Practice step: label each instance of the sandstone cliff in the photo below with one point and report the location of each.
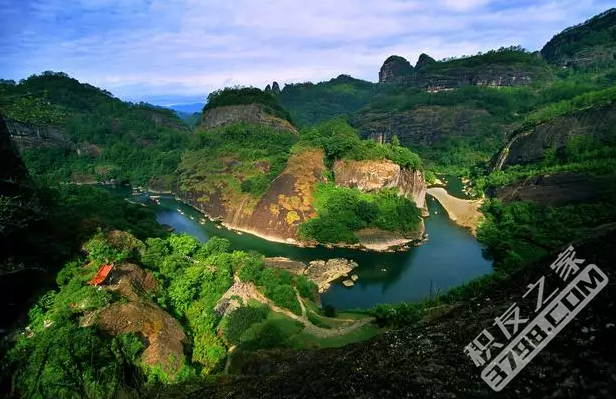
(529, 146)
(277, 214)
(395, 68)
(506, 67)
(14, 178)
(29, 135)
(595, 125)
(558, 189)
(374, 175)
(424, 125)
(250, 113)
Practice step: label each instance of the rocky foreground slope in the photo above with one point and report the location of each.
(428, 360)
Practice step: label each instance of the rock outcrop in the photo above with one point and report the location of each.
(250, 113)
(495, 69)
(370, 176)
(560, 188)
(423, 61)
(529, 146)
(29, 135)
(163, 334)
(275, 88)
(14, 178)
(321, 272)
(278, 213)
(394, 69)
(425, 125)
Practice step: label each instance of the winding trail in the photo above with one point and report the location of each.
(249, 291)
(464, 213)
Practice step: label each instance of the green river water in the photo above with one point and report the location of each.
(451, 257)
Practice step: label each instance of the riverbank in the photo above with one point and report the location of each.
(464, 213)
(373, 240)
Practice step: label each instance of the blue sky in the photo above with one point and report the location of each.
(176, 51)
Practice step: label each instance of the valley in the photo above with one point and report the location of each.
(359, 233)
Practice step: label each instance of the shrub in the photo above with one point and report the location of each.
(263, 335)
(241, 319)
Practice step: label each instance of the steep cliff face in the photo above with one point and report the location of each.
(278, 213)
(558, 189)
(29, 135)
(425, 125)
(451, 75)
(374, 175)
(494, 69)
(395, 68)
(250, 113)
(598, 123)
(592, 43)
(14, 177)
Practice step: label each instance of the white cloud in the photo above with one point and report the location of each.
(190, 47)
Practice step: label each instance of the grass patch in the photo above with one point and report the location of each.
(305, 340)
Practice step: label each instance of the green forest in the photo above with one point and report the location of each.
(178, 313)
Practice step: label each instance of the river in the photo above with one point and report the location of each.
(451, 257)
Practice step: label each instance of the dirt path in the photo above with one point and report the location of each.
(464, 213)
(301, 304)
(250, 291)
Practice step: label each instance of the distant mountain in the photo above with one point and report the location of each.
(187, 108)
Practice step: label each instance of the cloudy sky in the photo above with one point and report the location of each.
(176, 51)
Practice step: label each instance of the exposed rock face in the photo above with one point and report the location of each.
(394, 69)
(29, 135)
(286, 204)
(479, 70)
(374, 175)
(321, 272)
(13, 173)
(499, 75)
(275, 88)
(386, 241)
(425, 125)
(558, 189)
(423, 61)
(592, 43)
(251, 113)
(163, 333)
(528, 147)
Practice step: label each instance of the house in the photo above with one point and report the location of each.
(101, 275)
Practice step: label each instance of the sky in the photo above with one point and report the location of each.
(177, 51)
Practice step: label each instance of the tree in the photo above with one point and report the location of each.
(183, 244)
(395, 141)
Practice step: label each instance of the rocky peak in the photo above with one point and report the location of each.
(395, 68)
(268, 89)
(423, 61)
(275, 88)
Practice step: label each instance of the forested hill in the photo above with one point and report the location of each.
(590, 44)
(311, 103)
(111, 139)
